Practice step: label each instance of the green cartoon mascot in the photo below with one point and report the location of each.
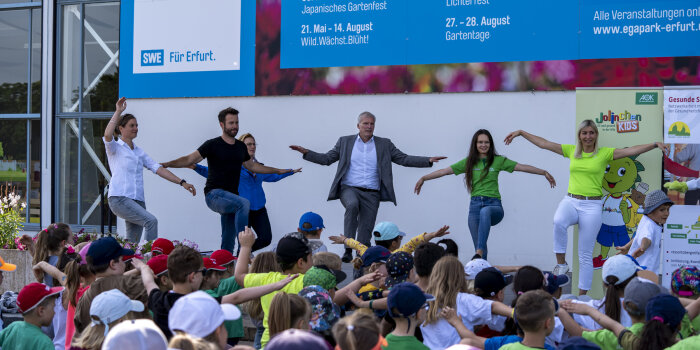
(620, 217)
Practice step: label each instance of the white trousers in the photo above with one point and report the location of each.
(588, 214)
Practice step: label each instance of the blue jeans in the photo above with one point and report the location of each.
(136, 217)
(484, 212)
(234, 215)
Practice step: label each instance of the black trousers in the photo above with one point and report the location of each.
(260, 222)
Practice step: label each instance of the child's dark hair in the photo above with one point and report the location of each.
(656, 336)
(95, 269)
(533, 309)
(159, 279)
(664, 315)
(182, 261)
(386, 243)
(286, 266)
(450, 246)
(425, 257)
(527, 278)
(358, 331)
(614, 292)
(49, 240)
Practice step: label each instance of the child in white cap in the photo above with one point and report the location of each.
(201, 316)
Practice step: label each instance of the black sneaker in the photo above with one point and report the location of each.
(347, 257)
(476, 256)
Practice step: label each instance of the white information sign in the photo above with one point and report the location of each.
(681, 242)
(682, 116)
(186, 36)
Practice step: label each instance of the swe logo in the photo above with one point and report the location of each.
(151, 58)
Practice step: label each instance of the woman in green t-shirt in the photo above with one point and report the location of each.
(583, 202)
(485, 209)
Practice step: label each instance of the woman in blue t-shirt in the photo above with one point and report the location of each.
(250, 188)
(485, 209)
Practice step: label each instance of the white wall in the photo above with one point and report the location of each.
(419, 124)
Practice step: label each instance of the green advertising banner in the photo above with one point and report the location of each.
(625, 117)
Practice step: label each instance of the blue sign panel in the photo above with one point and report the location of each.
(170, 48)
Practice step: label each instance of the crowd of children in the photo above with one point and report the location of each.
(416, 295)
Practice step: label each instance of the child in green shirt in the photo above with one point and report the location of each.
(534, 312)
(406, 307)
(36, 301)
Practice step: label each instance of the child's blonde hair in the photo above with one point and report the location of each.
(262, 263)
(446, 281)
(184, 341)
(286, 310)
(358, 331)
(93, 336)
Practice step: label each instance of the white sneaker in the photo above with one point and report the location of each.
(560, 269)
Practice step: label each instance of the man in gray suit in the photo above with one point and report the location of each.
(364, 177)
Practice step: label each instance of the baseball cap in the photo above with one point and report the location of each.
(324, 313)
(33, 294)
(296, 339)
(199, 314)
(621, 266)
(140, 334)
(490, 280)
(112, 305)
(339, 275)
(83, 253)
(6, 266)
(159, 264)
(374, 254)
(386, 230)
(473, 267)
(666, 309)
(407, 299)
(106, 249)
(292, 248)
(163, 246)
(312, 218)
(399, 266)
(639, 291)
(211, 265)
(316, 276)
(128, 258)
(554, 282)
(222, 257)
(686, 276)
(654, 200)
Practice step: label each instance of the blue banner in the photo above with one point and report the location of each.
(318, 33)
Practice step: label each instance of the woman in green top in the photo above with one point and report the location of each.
(485, 209)
(583, 203)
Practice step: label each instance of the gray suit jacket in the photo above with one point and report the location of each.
(386, 154)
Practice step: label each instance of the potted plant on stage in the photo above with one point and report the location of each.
(11, 249)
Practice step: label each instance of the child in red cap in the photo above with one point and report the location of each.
(162, 246)
(36, 301)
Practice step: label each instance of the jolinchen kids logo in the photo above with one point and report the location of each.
(646, 98)
(623, 122)
(679, 129)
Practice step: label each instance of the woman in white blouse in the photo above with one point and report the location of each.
(126, 161)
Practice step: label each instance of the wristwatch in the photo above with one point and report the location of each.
(182, 181)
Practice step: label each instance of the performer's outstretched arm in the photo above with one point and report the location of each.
(536, 140)
(184, 161)
(537, 171)
(262, 169)
(112, 125)
(327, 158)
(434, 175)
(638, 149)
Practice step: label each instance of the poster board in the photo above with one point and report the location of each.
(681, 241)
(624, 117)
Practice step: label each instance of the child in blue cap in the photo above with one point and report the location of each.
(406, 303)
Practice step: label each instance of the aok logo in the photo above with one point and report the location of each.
(624, 122)
(151, 58)
(646, 98)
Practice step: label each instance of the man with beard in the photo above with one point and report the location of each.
(225, 156)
